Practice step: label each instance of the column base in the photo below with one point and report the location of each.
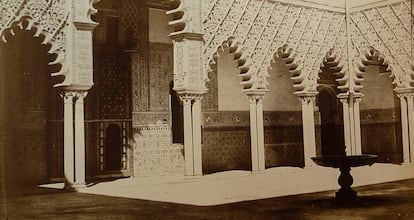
(75, 186)
(346, 196)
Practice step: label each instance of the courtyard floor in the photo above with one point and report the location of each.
(222, 197)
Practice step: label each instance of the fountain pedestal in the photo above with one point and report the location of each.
(345, 194)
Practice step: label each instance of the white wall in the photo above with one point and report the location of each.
(158, 26)
(230, 95)
(281, 95)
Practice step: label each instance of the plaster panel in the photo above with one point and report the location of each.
(159, 28)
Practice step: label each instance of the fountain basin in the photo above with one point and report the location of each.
(337, 161)
(345, 195)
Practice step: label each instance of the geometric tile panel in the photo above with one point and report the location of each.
(154, 153)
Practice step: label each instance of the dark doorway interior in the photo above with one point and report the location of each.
(25, 87)
(113, 145)
(332, 132)
(177, 117)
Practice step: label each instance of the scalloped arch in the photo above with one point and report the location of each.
(236, 50)
(368, 55)
(333, 62)
(289, 56)
(27, 23)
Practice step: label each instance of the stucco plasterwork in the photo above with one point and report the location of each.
(48, 17)
(262, 27)
(57, 21)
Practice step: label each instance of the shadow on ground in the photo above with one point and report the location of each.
(385, 201)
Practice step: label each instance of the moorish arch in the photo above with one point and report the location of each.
(306, 97)
(379, 108)
(283, 126)
(230, 138)
(27, 23)
(329, 106)
(28, 106)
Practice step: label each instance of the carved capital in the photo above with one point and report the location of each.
(189, 98)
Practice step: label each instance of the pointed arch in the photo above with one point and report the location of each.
(232, 46)
(236, 50)
(369, 56)
(332, 70)
(27, 23)
(289, 56)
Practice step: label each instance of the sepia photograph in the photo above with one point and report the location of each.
(206, 109)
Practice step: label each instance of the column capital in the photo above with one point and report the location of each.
(189, 97)
(405, 95)
(254, 96)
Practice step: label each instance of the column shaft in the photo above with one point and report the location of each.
(188, 138)
(253, 135)
(410, 109)
(306, 136)
(347, 128)
(352, 128)
(80, 140)
(358, 147)
(197, 151)
(68, 152)
(260, 136)
(311, 130)
(404, 130)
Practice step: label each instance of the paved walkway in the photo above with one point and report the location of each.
(229, 195)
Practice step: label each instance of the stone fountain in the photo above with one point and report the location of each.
(345, 195)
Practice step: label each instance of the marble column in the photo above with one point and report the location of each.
(260, 135)
(68, 152)
(357, 125)
(410, 113)
(80, 140)
(188, 136)
(347, 129)
(404, 129)
(308, 125)
(253, 134)
(196, 126)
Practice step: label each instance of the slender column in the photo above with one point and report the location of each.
(404, 129)
(410, 111)
(357, 121)
(188, 136)
(260, 135)
(196, 116)
(68, 154)
(306, 140)
(311, 129)
(80, 140)
(352, 126)
(253, 134)
(347, 135)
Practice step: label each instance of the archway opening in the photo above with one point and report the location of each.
(226, 126)
(332, 130)
(282, 118)
(26, 110)
(380, 114)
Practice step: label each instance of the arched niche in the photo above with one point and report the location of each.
(380, 112)
(282, 115)
(226, 124)
(30, 113)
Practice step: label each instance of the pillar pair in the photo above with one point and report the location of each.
(74, 139)
(257, 132)
(407, 124)
(308, 125)
(192, 133)
(352, 124)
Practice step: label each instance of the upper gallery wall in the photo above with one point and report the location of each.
(305, 31)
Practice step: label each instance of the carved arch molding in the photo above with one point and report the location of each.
(49, 19)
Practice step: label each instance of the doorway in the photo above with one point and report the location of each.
(26, 83)
(332, 131)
